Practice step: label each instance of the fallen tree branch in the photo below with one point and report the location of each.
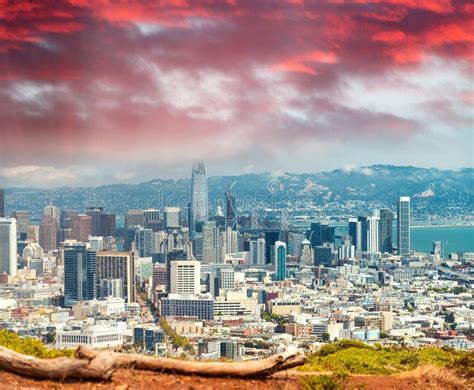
(250, 369)
(89, 364)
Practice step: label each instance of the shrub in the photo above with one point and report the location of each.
(319, 382)
(30, 346)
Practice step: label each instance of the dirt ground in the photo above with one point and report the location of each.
(426, 378)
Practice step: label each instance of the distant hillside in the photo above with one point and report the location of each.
(446, 193)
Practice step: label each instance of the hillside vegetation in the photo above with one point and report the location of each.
(353, 357)
(30, 346)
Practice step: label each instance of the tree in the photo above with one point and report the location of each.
(326, 337)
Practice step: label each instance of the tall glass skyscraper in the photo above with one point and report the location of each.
(280, 260)
(199, 195)
(403, 225)
(80, 273)
(386, 225)
(231, 209)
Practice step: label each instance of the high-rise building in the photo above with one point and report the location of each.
(230, 241)
(48, 233)
(363, 229)
(134, 218)
(81, 225)
(355, 232)
(199, 195)
(185, 277)
(210, 242)
(144, 241)
(102, 224)
(257, 251)
(373, 230)
(2, 203)
(80, 273)
(403, 225)
(321, 234)
(151, 215)
(386, 229)
(117, 265)
(323, 256)
(172, 217)
(231, 209)
(270, 238)
(280, 260)
(23, 221)
(8, 255)
(307, 257)
(52, 211)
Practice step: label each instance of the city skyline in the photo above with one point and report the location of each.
(247, 86)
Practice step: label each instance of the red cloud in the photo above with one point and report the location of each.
(110, 70)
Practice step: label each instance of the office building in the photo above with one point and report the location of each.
(117, 265)
(226, 278)
(134, 218)
(355, 232)
(307, 256)
(373, 230)
(386, 231)
(323, 256)
(80, 273)
(102, 224)
(231, 209)
(81, 227)
(52, 211)
(200, 306)
(150, 215)
(363, 229)
(199, 195)
(144, 241)
(23, 221)
(185, 277)
(8, 242)
(257, 251)
(2, 203)
(48, 233)
(280, 260)
(403, 225)
(172, 217)
(210, 242)
(321, 234)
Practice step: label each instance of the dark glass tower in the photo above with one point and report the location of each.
(231, 209)
(80, 273)
(199, 196)
(403, 225)
(386, 228)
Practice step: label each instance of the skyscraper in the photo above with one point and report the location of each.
(8, 256)
(321, 233)
(355, 231)
(80, 273)
(23, 221)
(280, 260)
(363, 229)
(386, 228)
(48, 233)
(231, 208)
(403, 225)
(185, 277)
(54, 212)
(257, 252)
(373, 229)
(199, 195)
(117, 265)
(307, 256)
(172, 217)
(210, 242)
(2, 203)
(81, 226)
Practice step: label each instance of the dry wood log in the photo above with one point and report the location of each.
(250, 369)
(101, 365)
(59, 368)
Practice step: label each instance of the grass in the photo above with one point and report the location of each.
(353, 357)
(30, 346)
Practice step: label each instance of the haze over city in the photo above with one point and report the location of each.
(95, 92)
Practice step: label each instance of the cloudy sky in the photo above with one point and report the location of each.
(101, 91)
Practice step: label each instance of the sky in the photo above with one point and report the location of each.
(106, 91)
